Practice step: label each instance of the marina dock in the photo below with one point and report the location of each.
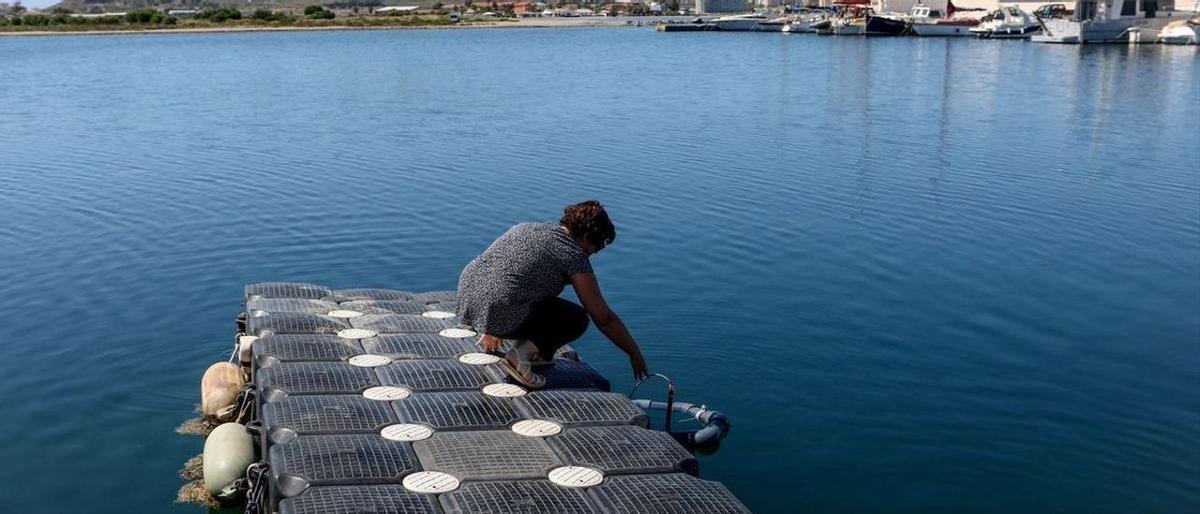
(375, 400)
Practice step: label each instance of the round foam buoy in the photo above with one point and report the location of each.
(370, 360)
(457, 333)
(386, 393)
(503, 390)
(345, 314)
(356, 333)
(478, 359)
(536, 428)
(406, 432)
(228, 450)
(430, 482)
(219, 389)
(438, 314)
(576, 476)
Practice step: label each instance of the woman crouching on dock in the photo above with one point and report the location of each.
(511, 291)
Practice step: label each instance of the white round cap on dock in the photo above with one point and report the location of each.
(386, 393)
(370, 360)
(503, 390)
(345, 314)
(438, 314)
(356, 333)
(576, 476)
(457, 333)
(430, 482)
(478, 359)
(406, 432)
(536, 428)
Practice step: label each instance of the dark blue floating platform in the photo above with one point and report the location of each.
(375, 400)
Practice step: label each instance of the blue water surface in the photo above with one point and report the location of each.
(919, 275)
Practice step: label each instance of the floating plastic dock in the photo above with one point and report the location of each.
(375, 400)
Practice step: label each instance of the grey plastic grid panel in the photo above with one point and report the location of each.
(623, 449)
(367, 293)
(399, 323)
(314, 378)
(287, 290)
(419, 346)
(436, 296)
(341, 459)
(433, 375)
(290, 305)
(325, 414)
(363, 499)
(521, 497)
(569, 374)
(383, 307)
(464, 410)
(674, 493)
(273, 349)
(293, 323)
(486, 455)
(450, 306)
(584, 408)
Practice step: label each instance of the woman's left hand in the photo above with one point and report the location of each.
(639, 367)
(490, 343)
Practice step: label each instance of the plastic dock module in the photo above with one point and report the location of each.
(373, 499)
(623, 450)
(584, 408)
(526, 496)
(486, 455)
(666, 494)
(457, 411)
(379, 400)
(274, 349)
(383, 307)
(291, 378)
(339, 460)
(399, 323)
(293, 323)
(419, 346)
(434, 375)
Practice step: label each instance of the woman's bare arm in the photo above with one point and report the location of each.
(588, 291)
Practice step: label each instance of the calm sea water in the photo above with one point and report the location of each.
(919, 275)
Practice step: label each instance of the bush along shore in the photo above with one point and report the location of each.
(313, 16)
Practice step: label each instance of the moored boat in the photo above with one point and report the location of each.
(1182, 32)
(1007, 22)
(739, 22)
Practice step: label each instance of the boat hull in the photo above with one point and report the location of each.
(1093, 31)
(1024, 32)
(940, 30)
(885, 26)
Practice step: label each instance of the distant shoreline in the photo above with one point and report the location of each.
(596, 22)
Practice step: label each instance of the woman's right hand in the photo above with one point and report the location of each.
(490, 343)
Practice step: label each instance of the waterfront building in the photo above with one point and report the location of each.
(721, 6)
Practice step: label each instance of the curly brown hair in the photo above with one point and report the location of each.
(588, 221)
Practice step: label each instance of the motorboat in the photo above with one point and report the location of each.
(1103, 21)
(924, 24)
(739, 22)
(849, 26)
(772, 25)
(886, 24)
(1181, 32)
(1007, 22)
(945, 27)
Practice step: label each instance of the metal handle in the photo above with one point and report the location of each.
(670, 393)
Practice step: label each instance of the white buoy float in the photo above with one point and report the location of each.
(219, 390)
(228, 450)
